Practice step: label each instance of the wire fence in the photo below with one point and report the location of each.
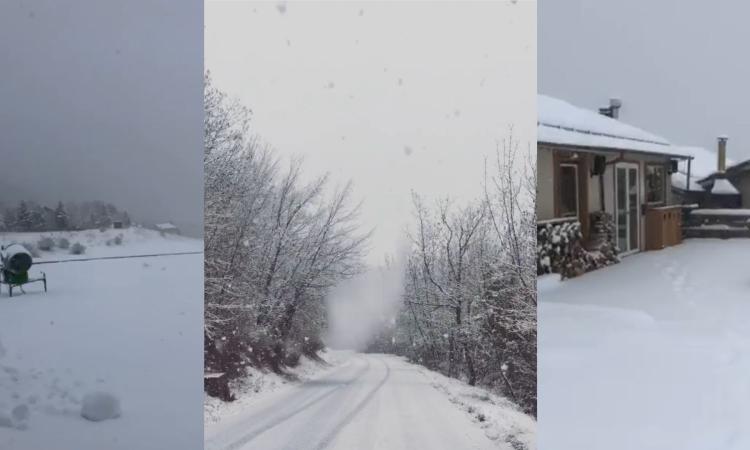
(152, 255)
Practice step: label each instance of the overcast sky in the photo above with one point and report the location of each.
(681, 68)
(394, 96)
(103, 100)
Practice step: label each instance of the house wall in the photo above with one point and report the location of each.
(742, 183)
(609, 184)
(545, 199)
(546, 185)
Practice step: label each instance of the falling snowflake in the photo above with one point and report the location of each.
(281, 6)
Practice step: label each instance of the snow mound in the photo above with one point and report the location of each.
(17, 417)
(501, 420)
(98, 406)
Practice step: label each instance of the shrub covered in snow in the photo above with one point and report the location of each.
(98, 406)
(46, 244)
(555, 242)
(15, 418)
(560, 247)
(63, 243)
(78, 249)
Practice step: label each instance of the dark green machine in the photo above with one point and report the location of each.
(15, 262)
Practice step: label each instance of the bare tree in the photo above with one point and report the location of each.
(274, 246)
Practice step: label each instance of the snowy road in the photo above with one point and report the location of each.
(370, 402)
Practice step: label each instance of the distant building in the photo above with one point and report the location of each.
(167, 228)
(730, 179)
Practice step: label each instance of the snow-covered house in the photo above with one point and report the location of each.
(708, 184)
(739, 176)
(167, 228)
(728, 179)
(589, 162)
(702, 165)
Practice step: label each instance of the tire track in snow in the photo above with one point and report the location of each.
(246, 439)
(348, 418)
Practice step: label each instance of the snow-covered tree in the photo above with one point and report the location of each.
(23, 217)
(274, 246)
(61, 217)
(469, 306)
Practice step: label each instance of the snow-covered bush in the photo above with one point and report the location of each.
(63, 243)
(117, 240)
(555, 243)
(560, 247)
(78, 249)
(98, 406)
(46, 244)
(15, 418)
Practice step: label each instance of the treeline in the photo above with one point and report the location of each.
(469, 306)
(31, 216)
(274, 244)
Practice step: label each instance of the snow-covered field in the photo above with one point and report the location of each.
(115, 337)
(134, 241)
(653, 353)
(367, 401)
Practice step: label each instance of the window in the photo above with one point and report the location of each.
(568, 190)
(656, 181)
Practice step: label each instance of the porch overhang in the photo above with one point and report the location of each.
(613, 150)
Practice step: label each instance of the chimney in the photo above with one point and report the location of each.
(722, 153)
(614, 106)
(613, 110)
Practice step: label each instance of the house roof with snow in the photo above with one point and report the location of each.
(702, 166)
(560, 122)
(708, 170)
(166, 226)
(722, 186)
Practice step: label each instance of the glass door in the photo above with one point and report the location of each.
(627, 214)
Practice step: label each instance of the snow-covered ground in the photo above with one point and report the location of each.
(652, 353)
(258, 385)
(112, 338)
(368, 401)
(134, 241)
